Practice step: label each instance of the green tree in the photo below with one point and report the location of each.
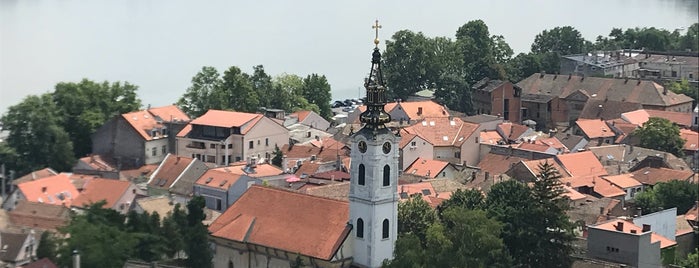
(238, 91)
(278, 156)
(85, 106)
(692, 260)
(691, 39)
(100, 237)
(453, 91)
(288, 94)
(665, 195)
(408, 252)
(317, 91)
(684, 87)
(468, 199)
(47, 246)
(554, 230)
(173, 236)
(475, 239)
(562, 40)
(262, 85)
(205, 93)
(524, 65)
(409, 64)
(660, 134)
(479, 51)
(414, 216)
(196, 241)
(36, 135)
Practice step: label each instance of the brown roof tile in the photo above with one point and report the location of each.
(651, 176)
(490, 137)
(227, 119)
(553, 142)
(35, 175)
(606, 189)
(638, 117)
(169, 170)
(497, 164)
(441, 131)
(512, 130)
(625, 180)
(426, 167)
(533, 165)
(50, 190)
(262, 216)
(301, 115)
(217, 179)
(143, 122)
(581, 164)
(429, 109)
(691, 139)
(97, 162)
(99, 189)
(603, 109)
(594, 128)
(38, 215)
(12, 245)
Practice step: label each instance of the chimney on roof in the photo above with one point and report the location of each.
(639, 81)
(570, 75)
(582, 78)
(601, 210)
(639, 211)
(664, 90)
(178, 159)
(43, 189)
(542, 74)
(633, 231)
(619, 226)
(285, 165)
(487, 175)
(626, 80)
(646, 228)
(419, 110)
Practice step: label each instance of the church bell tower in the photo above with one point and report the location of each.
(374, 175)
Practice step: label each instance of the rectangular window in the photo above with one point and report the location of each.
(210, 159)
(154, 151)
(412, 143)
(258, 142)
(506, 112)
(230, 146)
(266, 141)
(164, 149)
(457, 155)
(674, 73)
(251, 144)
(212, 146)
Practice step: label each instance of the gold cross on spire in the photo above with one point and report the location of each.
(377, 27)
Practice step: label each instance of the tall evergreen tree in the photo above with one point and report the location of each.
(317, 91)
(197, 242)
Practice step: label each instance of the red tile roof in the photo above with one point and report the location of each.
(429, 109)
(169, 113)
(168, 171)
(97, 163)
(533, 166)
(639, 117)
(581, 164)
(572, 194)
(594, 128)
(441, 131)
(185, 130)
(537, 147)
(35, 175)
(143, 122)
(145, 171)
(217, 179)
(577, 182)
(553, 142)
(691, 139)
(50, 190)
(512, 130)
(406, 139)
(629, 226)
(37, 215)
(498, 164)
(99, 189)
(426, 167)
(261, 170)
(490, 137)
(693, 213)
(218, 118)
(293, 222)
(651, 176)
(607, 189)
(424, 189)
(301, 115)
(624, 181)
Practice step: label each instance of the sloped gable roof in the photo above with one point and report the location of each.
(426, 167)
(169, 113)
(594, 128)
(629, 226)
(301, 115)
(691, 139)
(260, 170)
(625, 180)
(429, 109)
(35, 175)
(168, 171)
(55, 190)
(651, 176)
(218, 118)
(143, 122)
(442, 131)
(12, 245)
(99, 189)
(498, 164)
(39, 215)
(217, 179)
(581, 164)
(263, 216)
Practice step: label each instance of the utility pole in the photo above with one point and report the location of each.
(2, 175)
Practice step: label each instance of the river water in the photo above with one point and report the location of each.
(160, 44)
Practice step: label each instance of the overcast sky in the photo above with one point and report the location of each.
(160, 45)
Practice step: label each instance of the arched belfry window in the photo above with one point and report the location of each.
(385, 229)
(386, 175)
(360, 228)
(362, 170)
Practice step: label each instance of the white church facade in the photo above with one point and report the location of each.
(270, 227)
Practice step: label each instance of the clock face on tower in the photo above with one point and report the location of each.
(362, 147)
(386, 148)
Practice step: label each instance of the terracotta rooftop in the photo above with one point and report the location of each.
(406, 139)
(424, 189)
(490, 137)
(301, 115)
(338, 191)
(533, 166)
(35, 175)
(536, 147)
(96, 190)
(693, 213)
(96, 162)
(645, 92)
(497, 164)
(581, 164)
(326, 153)
(572, 194)
(169, 113)
(429, 109)
(691, 139)
(143, 122)
(613, 154)
(441, 131)
(262, 216)
(217, 179)
(553, 142)
(594, 128)
(307, 169)
(627, 227)
(651, 176)
(168, 171)
(37, 215)
(625, 180)
(227, 119)
(577, 182)
(260, 170)
(426, 167)
(55, 190)
(145, 171)
(638, 117)
(185, 131)
(607, 189)
(512, 130)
